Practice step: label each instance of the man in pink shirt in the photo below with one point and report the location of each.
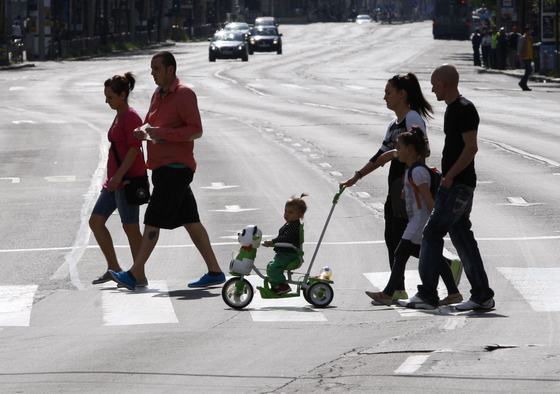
(174, 123)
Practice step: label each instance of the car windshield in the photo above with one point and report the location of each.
(364, 17)
(265, 32)
(227, 37)
(236, 26)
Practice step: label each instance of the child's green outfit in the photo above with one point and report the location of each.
(288, 233)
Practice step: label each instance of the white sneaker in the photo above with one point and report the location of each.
(471, 305)
(416, 303)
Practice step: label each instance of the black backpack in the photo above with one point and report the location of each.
(435, 180)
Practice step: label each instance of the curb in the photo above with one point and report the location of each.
(17, 66)
(115, 53)
(519, 74)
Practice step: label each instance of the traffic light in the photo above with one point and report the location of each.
(176, 4)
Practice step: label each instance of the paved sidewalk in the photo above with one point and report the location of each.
(518, 73)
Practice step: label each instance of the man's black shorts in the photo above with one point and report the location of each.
(172, 203)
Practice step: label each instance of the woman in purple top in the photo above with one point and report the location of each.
(112, 195)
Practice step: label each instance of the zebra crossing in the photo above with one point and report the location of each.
(153, 305)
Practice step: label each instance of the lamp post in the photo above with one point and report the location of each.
(4, 61)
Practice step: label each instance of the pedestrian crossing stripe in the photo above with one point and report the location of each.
(150, 305)
(153, 305)
(291, 309)
(538, 286)
(15, 305)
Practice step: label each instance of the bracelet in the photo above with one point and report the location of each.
(395, 155)
(359, 174)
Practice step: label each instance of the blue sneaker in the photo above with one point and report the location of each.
(208, 280)
(123, 279)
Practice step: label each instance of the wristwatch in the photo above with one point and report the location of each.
(359, 174)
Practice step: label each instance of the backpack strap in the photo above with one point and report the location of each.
(414, 187)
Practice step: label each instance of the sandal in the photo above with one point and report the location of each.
(102, 279)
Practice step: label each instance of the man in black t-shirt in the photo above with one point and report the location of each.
(453, 203)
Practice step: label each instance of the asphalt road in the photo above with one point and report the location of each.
(275, 126)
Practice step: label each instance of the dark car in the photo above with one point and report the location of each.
(265, 39)
(265, 21)
(241, 27)
(228, 45)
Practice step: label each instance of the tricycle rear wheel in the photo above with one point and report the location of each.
(319, 294)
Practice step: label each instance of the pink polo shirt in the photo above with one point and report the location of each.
(122, 134)
(178, 119)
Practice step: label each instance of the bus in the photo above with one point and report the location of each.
(452, 20)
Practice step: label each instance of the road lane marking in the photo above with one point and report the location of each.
(23, 122)
(13, 179)
(325, 165)
(454, 322)
(71, 260)
(150, 305)
(538, 286)
(234, 209)
(363, 194)
(15, 305)
(335, 173)
(372, 242)
(412, 364)
(520, 152)
(61, 178)
(292, 309)
(218, 186)
(519, 202)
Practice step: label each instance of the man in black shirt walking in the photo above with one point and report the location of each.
(453, 203)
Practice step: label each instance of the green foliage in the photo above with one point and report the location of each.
(491, 6)
(536, 5)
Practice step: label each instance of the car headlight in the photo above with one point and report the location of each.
(275, 42)
(253, 42)
(214, 47)
(241, 47)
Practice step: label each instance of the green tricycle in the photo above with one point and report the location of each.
(238, 292)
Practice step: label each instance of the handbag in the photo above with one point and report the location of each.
(136, 188)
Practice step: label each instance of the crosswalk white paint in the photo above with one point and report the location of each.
(15, 304)
(533, 283)
(150, 305)
(412, 279)
(293, 309)
(412, 364)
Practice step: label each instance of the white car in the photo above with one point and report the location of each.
(363, 19)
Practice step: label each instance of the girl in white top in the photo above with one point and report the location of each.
(411, 147)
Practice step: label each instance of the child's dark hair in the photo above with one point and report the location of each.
(409, 83)
(299, 203)
(121, 83)
(416, 138)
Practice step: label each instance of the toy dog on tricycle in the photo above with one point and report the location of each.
(238, 292)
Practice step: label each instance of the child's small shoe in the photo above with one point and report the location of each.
(282, 288)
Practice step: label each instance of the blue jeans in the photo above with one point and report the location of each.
(528, 71)
(451, 215)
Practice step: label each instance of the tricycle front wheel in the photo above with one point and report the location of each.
(237, 293)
